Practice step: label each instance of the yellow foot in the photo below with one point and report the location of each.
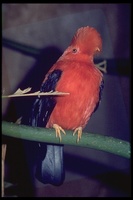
(79, 130)
(58, 130)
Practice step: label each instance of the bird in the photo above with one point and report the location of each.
(74, 73)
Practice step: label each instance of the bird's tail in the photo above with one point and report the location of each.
(50, 169)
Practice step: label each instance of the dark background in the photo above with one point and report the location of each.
(49, 28)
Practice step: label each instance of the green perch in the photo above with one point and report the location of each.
(89, 140)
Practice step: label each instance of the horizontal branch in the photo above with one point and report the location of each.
(37, 94)
(23, 93)
(89, 140)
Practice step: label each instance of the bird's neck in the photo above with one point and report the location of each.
(78, 58)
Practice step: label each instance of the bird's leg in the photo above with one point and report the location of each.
(58, 130)
(79, 130)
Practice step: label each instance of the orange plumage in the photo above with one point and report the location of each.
(80, 78)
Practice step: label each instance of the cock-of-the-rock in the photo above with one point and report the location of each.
(74, 73)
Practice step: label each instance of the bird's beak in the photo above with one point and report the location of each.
(97, 49)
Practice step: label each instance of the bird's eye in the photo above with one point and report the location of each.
(74, 50)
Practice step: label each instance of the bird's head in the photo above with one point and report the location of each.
(88, 40)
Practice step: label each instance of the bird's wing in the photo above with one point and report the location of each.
(101, 89)
(50, 167)
(100, 94)
(43, 106)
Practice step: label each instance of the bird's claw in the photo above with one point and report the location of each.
(58, 130)
(79, 130)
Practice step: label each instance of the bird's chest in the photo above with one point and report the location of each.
(74, 110)
(81, 83)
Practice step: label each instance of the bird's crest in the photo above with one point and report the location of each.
(88, 40)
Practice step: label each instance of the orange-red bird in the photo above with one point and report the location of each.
(74, 73)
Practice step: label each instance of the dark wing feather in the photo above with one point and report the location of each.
(100, 94)
(43, 106)
(50, 167)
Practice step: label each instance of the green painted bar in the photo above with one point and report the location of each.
(89, 140)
